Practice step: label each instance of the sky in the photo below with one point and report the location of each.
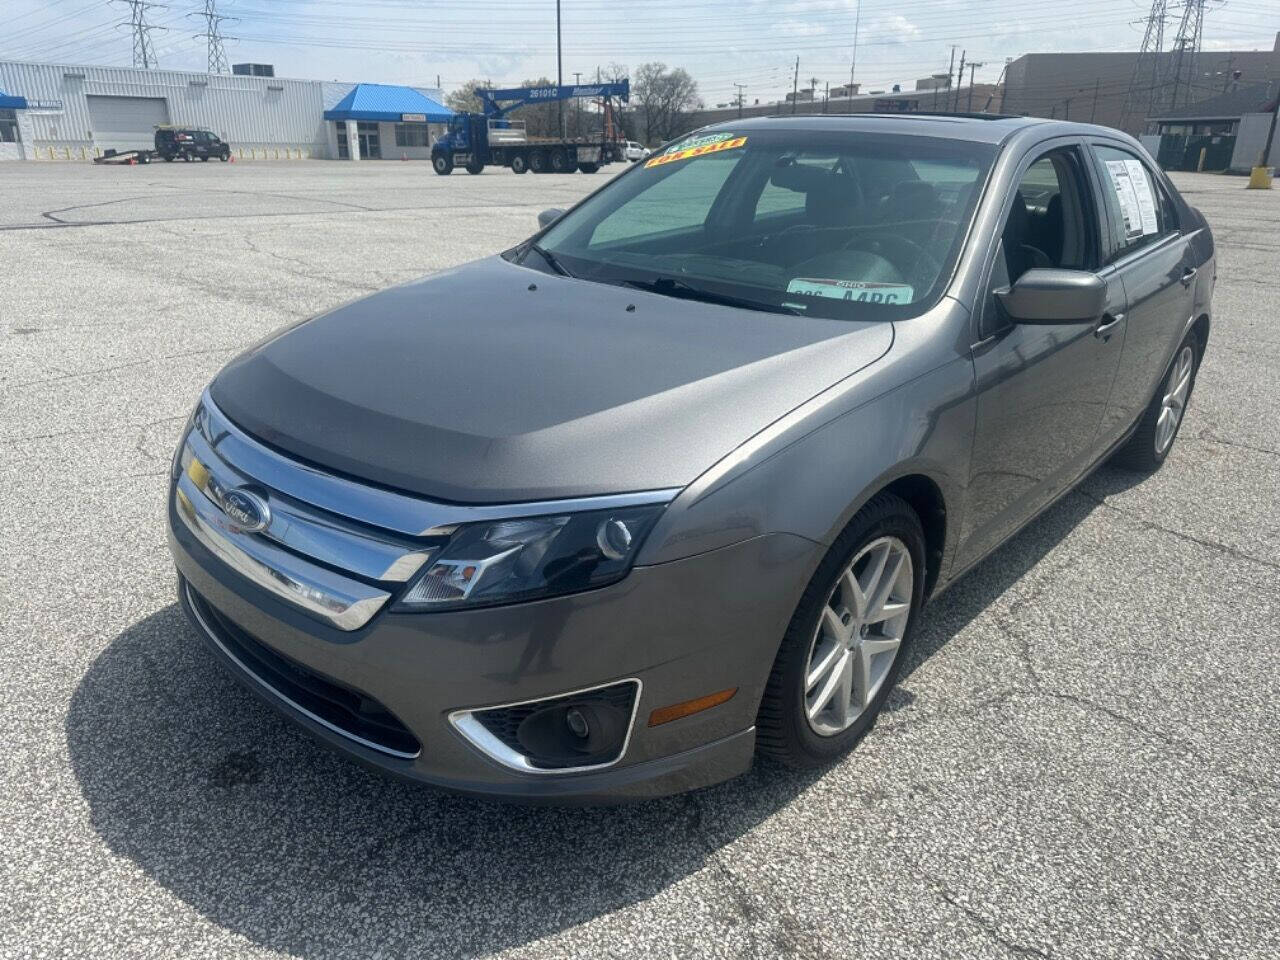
(751, 42)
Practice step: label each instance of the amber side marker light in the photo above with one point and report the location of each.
(689, 707)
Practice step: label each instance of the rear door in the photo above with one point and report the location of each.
(1041, 389)
(1153, 258)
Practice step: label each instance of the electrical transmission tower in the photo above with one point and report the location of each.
(1186, 51)
(213, 20)
(1146, 78)
(144, 52)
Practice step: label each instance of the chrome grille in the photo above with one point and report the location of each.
(327, 564)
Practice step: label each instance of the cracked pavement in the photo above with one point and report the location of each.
(1081, 759)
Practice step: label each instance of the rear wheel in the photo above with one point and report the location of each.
(205, 158)
(1158, 428)
(538, 162)
(168, 157)
(442, 164)
(519, 164)
(588, 167)
(560, 162)
(842, 652)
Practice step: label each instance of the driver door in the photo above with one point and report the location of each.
(1041, 389)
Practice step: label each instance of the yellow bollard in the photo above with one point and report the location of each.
(1259, 179)
(1204, 152)
(277, 155)
(242, 153)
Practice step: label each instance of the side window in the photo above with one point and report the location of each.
(1051, 223)
(679, 201)
(1138, 208)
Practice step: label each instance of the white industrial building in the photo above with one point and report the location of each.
(65, 111)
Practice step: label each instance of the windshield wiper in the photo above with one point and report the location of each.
(674, 287)
(546, 255)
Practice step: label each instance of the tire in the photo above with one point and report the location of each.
(205, 158)
(168, 158)
(442, 164)
(560, 162)
(784, 727)
(1150, 445)
(474, 168)
(589, 167)
(226, 155)
(519, 164)
(538, 161)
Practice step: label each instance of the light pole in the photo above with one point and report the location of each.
(559, 71)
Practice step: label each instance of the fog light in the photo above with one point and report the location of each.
(577, 723)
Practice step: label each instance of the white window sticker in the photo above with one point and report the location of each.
(859, 291)
(1137, 202)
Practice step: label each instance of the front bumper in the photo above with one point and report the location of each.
(683, 629)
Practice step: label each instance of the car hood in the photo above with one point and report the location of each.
(497, 383)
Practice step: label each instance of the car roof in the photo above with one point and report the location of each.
(980, 127)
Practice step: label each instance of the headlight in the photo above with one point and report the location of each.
(524, 559)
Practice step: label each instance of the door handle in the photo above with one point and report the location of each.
(1188, 275)
(1107, 325)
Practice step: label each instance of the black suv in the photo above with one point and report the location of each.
(173, 143)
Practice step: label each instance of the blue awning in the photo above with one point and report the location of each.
(388, 104)
(10, 102)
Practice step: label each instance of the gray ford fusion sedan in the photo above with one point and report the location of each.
(669, 483)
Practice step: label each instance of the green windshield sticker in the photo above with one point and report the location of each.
(858, 291)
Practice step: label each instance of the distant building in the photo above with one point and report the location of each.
(1094, 87)
(1226, 132)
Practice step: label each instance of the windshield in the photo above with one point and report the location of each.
(847, 225)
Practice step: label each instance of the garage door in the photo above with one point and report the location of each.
(126, 123)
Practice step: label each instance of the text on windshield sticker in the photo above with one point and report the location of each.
(699, 150)
(858, 291)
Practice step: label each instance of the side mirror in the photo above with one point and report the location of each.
(1045, 295)
(547, 217)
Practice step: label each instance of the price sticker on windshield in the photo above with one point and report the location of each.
(858, 291)
(698, 147)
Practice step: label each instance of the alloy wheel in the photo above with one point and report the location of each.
(858, 636)
(1174, 402)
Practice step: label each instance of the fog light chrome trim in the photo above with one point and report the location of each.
(467, 725)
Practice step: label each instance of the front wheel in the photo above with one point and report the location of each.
(519, 164)
(1158, 428)
(226, 155)
(442, 164)
(473, 168)
(588, 167)
(845, 645)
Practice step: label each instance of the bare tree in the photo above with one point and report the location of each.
(464, 99)
(664, 97)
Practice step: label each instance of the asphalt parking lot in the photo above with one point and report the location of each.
(1082, 760)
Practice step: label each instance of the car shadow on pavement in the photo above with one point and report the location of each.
(297, 849)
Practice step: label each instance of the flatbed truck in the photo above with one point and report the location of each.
(474, 141)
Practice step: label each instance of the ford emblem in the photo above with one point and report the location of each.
(247, 511)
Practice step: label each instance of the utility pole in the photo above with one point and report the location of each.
(826, 96)
(955, 108)
(144, 52)
(559, 70)
(1066, 107)
(1093, 111)
(1260, 175)
(950, 69)
(577, 101)
(212, 20)
(973, 69)
(795, 86)
(813, 87)
(741, 96)
(857, 20)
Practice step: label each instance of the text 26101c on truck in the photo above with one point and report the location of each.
(669, 483)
